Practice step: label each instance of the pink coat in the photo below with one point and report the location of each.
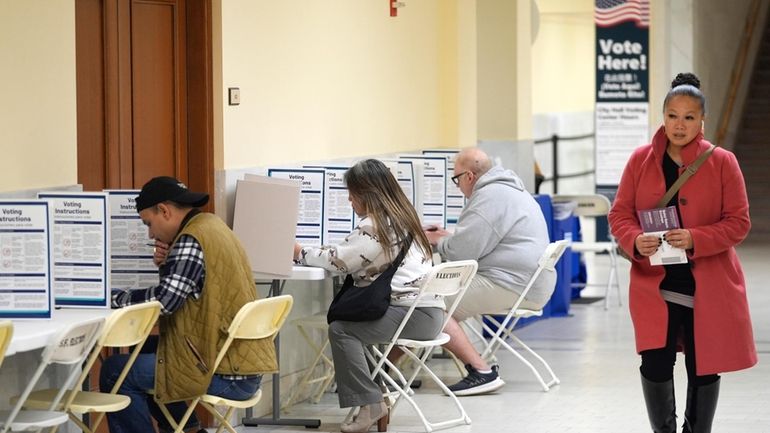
(714, 207)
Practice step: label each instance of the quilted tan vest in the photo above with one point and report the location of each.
(190, 338)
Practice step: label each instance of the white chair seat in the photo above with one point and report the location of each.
(84, 401)
(520, 312)
(591, 247)
(34, 419)
(438, 341)
(240, 404)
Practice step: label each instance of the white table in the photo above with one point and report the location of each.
(31, 334)
(298, 273)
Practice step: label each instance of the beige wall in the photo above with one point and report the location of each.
(717, 32)
(37, 94)
(322, 80)
(563, 70)
(467, 73)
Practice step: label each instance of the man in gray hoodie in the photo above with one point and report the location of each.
(503, 229)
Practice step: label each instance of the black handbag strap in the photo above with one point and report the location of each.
(688, 172)
(403, 252)
(393, 265)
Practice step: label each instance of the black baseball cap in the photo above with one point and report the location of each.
(166, 188)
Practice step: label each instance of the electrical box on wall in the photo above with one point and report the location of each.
(233, 96)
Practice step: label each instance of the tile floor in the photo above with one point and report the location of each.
(592, 352)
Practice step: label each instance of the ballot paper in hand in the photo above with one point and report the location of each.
(657, 222)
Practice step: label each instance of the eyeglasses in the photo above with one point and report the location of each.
(456, 178)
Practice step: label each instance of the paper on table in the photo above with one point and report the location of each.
(657, 222)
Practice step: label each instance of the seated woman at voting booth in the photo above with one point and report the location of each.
(386, 249)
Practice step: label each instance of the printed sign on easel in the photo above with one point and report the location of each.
(433, 188)
(455, 200)
(25, 267)
(80, 243)
(338, 212)
(310, 221)
(131, 251)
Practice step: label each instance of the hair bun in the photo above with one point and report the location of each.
(686, 78)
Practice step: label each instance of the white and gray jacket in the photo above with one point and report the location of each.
(503, 228)
(362, 255)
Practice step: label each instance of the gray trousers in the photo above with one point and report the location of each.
(355, 386)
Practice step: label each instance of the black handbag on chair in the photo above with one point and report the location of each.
(362, 304)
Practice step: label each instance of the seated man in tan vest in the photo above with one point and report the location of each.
(205, 278)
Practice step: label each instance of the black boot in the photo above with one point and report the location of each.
(661, 406)
(701, 405)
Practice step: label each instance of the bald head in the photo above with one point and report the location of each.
(474, 160)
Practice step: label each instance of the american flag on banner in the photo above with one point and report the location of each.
(608, 13)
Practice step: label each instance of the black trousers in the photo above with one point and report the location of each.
(658, 364)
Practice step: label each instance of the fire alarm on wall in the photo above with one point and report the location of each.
(394, 5)
(234, 96)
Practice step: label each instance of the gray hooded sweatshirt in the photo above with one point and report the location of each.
(503, 228)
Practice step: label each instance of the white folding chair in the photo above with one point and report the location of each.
(124, 327)
(446, 279)
(592, 206)
(501, 331)
(322, 364)
(256, 320)
(70, 347)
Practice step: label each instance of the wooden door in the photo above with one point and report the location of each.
(144, 97)
(144, 92)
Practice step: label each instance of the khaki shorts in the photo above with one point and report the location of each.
(484, 296)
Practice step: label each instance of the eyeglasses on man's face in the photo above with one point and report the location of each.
(456, 178)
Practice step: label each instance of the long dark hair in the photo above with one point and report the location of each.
(373, 185)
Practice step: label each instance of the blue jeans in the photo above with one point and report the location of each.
(141, 378)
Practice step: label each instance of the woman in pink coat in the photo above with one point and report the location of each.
(699, 306)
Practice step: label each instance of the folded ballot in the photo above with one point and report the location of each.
(657, 222)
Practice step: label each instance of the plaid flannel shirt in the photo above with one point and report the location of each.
(181, 276)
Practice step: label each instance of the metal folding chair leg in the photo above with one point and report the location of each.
(504, 333)
(612, 278)
(179, 426)
(402, 387)
(327, 365)
(224, 420)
